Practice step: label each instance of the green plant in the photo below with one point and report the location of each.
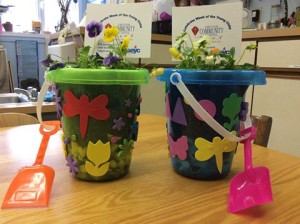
(200, 55)
(87, 58)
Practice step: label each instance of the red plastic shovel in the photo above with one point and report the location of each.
(31, 187)
(251, 187)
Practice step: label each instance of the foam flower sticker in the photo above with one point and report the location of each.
(217, 147)
(98, 155)
(72, 164)
(231, 109)
(178, 148)
(118, 123)
(95, 108)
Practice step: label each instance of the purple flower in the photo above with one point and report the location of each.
(110, 60)
(57, 65)
(72, 165)
(47, 62)
(118, 124)
(94, 28)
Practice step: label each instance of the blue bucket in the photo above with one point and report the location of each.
(196, 149)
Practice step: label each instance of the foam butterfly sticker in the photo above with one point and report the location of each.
(217, 147)
(95, 108)
(178, 148)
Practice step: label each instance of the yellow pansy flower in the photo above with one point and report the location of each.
(175, 53)
(125, 43)
(110, 33)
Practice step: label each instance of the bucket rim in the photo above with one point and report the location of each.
(216, 77)
(98, 76)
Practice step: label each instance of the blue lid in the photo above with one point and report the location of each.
(216, 77)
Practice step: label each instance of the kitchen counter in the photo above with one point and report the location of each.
(27, 108)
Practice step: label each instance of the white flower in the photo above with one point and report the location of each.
(209, 60)
(204, 42)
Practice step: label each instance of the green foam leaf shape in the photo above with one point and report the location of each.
(231, 109)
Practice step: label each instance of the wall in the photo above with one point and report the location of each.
(280, 97)
(265, 8)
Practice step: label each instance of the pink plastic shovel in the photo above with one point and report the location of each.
(251, 187)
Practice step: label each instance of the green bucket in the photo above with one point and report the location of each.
(98, 109)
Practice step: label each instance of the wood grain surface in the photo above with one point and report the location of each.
(151, 192)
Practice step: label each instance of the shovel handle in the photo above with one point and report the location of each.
(248, 146)
(46, 136)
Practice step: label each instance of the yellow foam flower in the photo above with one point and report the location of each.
(110, 33)
(175, 53)
(125, 42)
(98, 155)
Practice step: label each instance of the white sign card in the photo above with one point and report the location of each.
(132, 19)
(222, 22)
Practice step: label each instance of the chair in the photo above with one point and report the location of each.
(263, 126)
(16, 119)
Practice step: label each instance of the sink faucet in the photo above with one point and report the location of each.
(31, 93)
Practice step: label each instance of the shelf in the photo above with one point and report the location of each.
(253, 35)
(282, 72)
(272, 34)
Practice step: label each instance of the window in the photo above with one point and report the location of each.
(45, 11)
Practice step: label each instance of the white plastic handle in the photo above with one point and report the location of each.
(176, 80)
(39, 104)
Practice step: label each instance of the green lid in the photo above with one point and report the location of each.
(98, 76)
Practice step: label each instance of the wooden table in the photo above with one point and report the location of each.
(152, 192)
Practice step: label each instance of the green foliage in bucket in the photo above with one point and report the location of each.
(200, 54)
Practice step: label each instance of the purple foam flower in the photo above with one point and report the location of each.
(94, 28)
(118, 124)
(110, 60)
(72, 165)
(127, 103)
(58, 103)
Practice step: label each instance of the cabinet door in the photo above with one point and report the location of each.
(27, 60)
(5, 86)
